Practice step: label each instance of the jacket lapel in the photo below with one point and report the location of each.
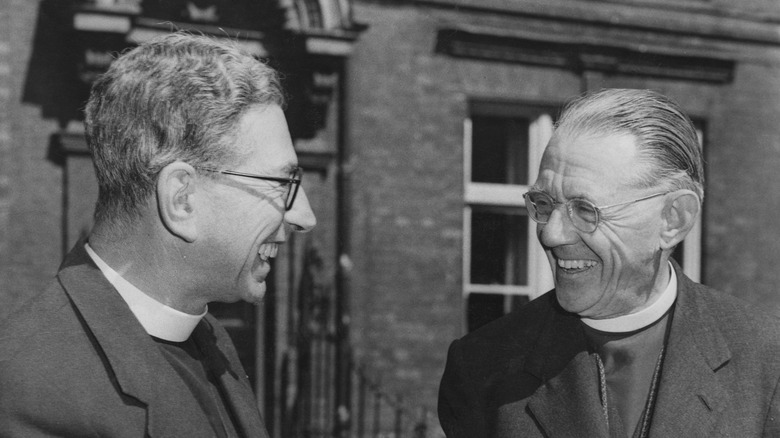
(568, 402)
(235, 389)
(141, 370)
(690, 396)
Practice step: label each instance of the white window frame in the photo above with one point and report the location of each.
(692, 244)
(506, 195)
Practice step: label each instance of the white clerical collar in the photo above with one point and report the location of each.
(156, 318)
(643, 318)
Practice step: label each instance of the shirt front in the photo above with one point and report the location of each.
(630, 354)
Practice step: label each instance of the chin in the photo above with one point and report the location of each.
(569, 302)
(255, 293)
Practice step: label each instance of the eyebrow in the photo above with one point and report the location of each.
(576, 196)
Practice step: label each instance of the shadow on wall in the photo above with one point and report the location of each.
(52, 81)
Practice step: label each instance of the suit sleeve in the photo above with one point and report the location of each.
(456, 402)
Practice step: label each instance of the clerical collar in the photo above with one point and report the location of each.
(157, 319)
(643, 318)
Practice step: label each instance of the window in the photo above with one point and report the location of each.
(504, 267)
(688, 253)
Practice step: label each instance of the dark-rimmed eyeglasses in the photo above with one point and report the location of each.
(292, 183)
(584, 215)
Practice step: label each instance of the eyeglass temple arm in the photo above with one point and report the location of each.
(249, 175)
(632, 201)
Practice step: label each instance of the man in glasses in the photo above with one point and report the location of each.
(199, 184)
(625, 345)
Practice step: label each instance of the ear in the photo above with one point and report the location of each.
(679, 215)
(175, 200)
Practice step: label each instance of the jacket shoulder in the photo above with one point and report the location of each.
(513, 335)
(744, 325)
(487, 367)
(46, 317)
(54, 378)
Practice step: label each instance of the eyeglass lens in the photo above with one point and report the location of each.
(583, 214)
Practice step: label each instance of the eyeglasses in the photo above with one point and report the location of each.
(292, 183)
(584, 215)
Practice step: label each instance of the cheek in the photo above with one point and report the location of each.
(631, 260)
(623, 246)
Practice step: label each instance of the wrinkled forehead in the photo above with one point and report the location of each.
(589, 166)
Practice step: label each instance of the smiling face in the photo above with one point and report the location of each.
(614, 270)
(246, 218)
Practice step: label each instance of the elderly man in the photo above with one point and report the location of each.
(198, 186)
(625, 345)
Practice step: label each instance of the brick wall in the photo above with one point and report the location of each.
(406, 198)
(30, 184)
(5, 128)
(741, 212)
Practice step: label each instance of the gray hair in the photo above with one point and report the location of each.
(665, 137)
(176, 98)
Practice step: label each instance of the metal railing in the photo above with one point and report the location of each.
(314, 407)
(379, 414)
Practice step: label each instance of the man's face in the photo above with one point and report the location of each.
(611, 271)
(246, 218)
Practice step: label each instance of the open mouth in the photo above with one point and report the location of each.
(267, 251)
(575, 266)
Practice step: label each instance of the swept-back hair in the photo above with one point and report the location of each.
(177, 97)
(665, 136)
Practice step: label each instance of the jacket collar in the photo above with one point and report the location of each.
(696, 350)
(567, 402)
(220, 354)
(141, 370)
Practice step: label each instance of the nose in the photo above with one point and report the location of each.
(300, 217)
(558, 230)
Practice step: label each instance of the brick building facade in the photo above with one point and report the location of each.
(421, 122)
(428, 78)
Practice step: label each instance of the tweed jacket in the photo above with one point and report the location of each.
(529, 374)
(74, 362)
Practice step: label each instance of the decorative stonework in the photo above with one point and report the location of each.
(581, 57)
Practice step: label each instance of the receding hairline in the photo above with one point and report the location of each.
(665, 136)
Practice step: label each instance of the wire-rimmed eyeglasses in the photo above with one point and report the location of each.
(292, 183)
(584, 215)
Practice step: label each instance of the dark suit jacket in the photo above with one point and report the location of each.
(75, 362)
(528, 374)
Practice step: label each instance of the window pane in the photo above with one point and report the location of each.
(499, 246)
(499, 150)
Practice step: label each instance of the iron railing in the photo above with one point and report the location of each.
(379, 414)
(313, 406)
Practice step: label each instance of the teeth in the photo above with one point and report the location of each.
(268, 251)
(576, 264)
